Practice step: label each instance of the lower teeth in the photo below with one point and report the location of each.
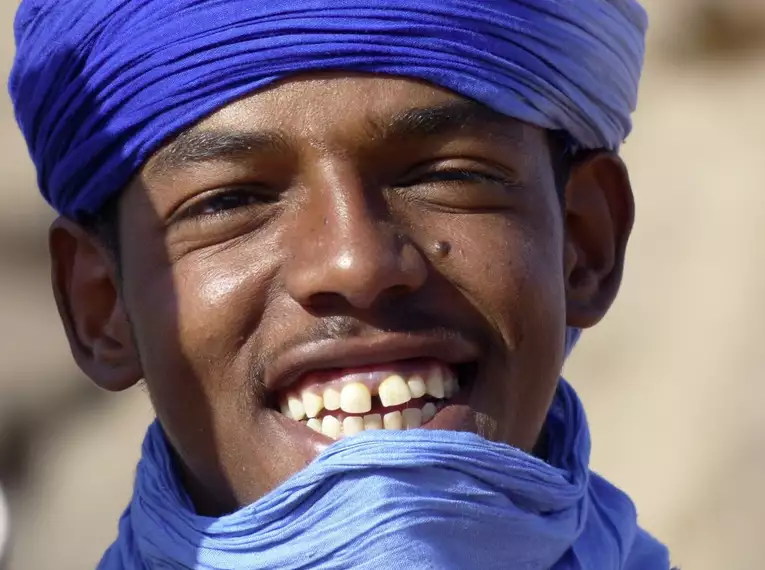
(409, 418)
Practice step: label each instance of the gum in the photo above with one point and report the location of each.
(371, 377)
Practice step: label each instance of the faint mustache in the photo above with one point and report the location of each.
(345, 328)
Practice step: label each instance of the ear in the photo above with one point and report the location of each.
(600, 212)
(84, 277)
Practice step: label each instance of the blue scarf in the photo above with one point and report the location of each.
(415, 499)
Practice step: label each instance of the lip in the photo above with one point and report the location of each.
(291, 366)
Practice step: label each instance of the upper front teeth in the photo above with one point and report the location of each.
(296, 409)
(450, 386)
(393, 391)
(356, 397)
(435, 384)
(331, 399)
(417, 386)
(312, 404)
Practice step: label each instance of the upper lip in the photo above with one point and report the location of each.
(291, 366)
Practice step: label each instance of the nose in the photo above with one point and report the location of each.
(345, 249)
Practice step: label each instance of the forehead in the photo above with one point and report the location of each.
(331, 97)
(339, 111)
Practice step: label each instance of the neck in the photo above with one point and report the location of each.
(208, 501)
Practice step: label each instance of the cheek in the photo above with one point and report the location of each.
(215, 303)
(193, 321)
(512, 272)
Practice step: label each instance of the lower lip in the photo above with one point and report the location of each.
(453, 417)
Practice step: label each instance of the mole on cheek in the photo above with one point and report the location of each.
(442, 249)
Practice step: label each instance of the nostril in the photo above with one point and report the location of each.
(398, 291)
(360, 298)
(325, 302)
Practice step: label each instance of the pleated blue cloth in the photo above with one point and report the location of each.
(416, 499)
(99, 85)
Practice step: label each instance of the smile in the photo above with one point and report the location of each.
(395, 396)
(391, 382)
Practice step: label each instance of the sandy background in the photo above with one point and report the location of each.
(673, 380)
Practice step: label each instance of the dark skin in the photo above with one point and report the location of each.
(367, 215)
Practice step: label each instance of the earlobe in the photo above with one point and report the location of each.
(85, 287)
(599, 215)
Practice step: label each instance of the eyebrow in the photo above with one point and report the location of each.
(446, 119)
(201, 145)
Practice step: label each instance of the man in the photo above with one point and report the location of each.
(315, 227)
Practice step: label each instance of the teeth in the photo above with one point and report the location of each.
(353, 425)
(297, 412)
(417, 386)
(355, 398)
(331, 399)
(331, 427)
(394, 392)
(450, 385)
(428, 412)
(312, 404)
(412, 418)
(373, 422)
(393, 421)
(435, 383)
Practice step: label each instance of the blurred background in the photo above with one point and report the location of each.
(672, 379)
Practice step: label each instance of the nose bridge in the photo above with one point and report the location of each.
(352, 249)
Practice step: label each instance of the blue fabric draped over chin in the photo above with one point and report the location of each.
(99, 85)
(417, 499)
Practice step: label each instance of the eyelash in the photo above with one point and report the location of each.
(459, 175)
(246, 196)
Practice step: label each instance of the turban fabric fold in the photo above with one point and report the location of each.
(99, 85)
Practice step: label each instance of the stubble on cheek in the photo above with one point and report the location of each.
(516, 282)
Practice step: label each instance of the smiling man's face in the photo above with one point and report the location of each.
(371, 252)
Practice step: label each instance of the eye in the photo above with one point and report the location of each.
(458, 175)
(227, 201)
(460, 186)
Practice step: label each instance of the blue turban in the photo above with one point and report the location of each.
(99, 85)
